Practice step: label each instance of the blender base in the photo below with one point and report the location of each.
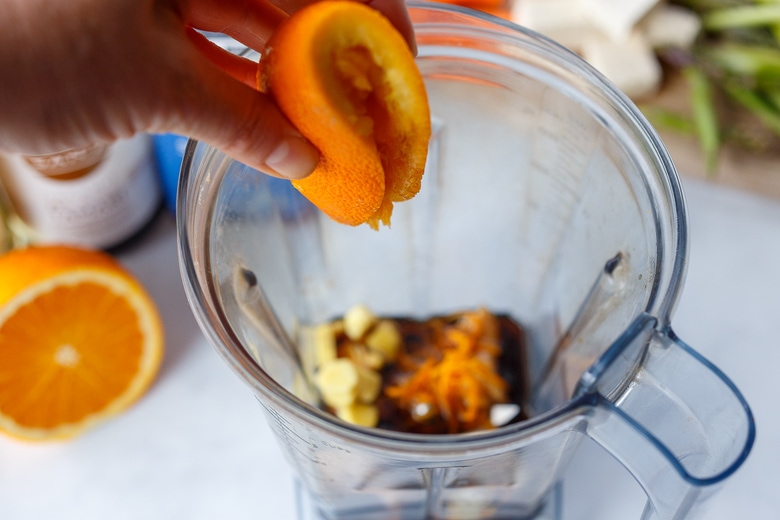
(307, 509)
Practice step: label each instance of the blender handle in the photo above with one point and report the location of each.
(669, 416)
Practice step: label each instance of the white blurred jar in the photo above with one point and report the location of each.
(98, 196)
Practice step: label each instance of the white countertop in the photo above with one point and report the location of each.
(197, 446)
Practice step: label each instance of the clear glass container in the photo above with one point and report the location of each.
(546, 197)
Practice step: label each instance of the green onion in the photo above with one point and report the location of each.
(755, 104)
(704, 117)
(743, 16)
(665, 119)
(773, 97)
(745, 60)
(736, 59)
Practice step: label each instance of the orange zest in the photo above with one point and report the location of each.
(345, 77)
(456, 375)
(80, 341)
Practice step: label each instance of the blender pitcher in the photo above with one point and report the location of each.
(547, 197)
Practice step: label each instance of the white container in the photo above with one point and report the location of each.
(97, 196)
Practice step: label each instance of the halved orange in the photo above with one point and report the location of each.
(80, 341)
(345, 77)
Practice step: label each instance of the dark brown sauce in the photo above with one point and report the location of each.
(417, 337)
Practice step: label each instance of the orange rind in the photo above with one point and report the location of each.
(346, 78)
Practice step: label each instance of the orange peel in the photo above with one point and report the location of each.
(346, 78)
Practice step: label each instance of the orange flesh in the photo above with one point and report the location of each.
(74, 359)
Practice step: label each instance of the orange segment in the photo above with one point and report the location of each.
(345, 77)
(80, 340)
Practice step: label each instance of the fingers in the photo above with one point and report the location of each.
(394, 10)
(242, 122)
(252, 21)
(249, 21)
(211, 94)
(221, 105)
(242, 69)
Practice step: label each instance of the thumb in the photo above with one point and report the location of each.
(242, 122)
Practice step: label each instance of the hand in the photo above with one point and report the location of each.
(81, 71)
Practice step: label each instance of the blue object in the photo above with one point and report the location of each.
(169, 152)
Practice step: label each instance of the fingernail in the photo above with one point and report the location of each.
(293, 158)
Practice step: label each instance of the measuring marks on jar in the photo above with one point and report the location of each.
(563, 144)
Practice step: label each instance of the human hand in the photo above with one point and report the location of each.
(84, 71)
